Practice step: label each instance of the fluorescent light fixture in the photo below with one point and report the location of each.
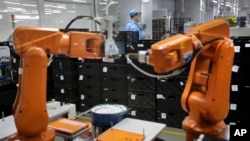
(57, 11)
(16, 9)
(26, 17)
(145, 1)
(9, 2)
(61, 6)
(33, 5)
(5, 11)
(1, 17)
(27, 13)
(215, 1)
(47, 5)
(54, 6)
(102, 3)
(47, 10)
(84, 1)
(72, 11)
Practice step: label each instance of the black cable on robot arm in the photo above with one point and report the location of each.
(196, 51)
(77, 18)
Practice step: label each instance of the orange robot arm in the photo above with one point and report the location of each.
(33, 45)
(206, 95)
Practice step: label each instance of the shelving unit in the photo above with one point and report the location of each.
(5, 64)
(177, 25)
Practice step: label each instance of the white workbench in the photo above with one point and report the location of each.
(150, 129)
(7, 127)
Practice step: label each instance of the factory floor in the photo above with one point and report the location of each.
(172, 134)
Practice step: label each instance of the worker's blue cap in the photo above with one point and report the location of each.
(133, 12)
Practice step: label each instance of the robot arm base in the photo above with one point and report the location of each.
(48, 135)
(194, 129)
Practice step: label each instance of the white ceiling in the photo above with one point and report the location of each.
(241, 3)
(29, 7)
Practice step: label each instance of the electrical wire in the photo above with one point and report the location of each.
(77, 18)
(50, 59)
(174, 73)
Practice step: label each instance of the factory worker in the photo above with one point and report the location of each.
(132, 25)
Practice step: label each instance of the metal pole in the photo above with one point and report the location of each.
(40, 4)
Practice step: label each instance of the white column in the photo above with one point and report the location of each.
(40, 4)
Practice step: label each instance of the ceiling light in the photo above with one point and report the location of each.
(84, 1)
(28, 5)
(145, 1)
(26, 17)
(47, 10)
(47, 5)
(5, 11)
(102, 3)
(1, 16)
(15, 8)
(61, 6)
(57, 11)
(8, 2)
(27, 13)
(215, 1)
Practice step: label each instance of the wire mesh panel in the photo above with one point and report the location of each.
(177, 25)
